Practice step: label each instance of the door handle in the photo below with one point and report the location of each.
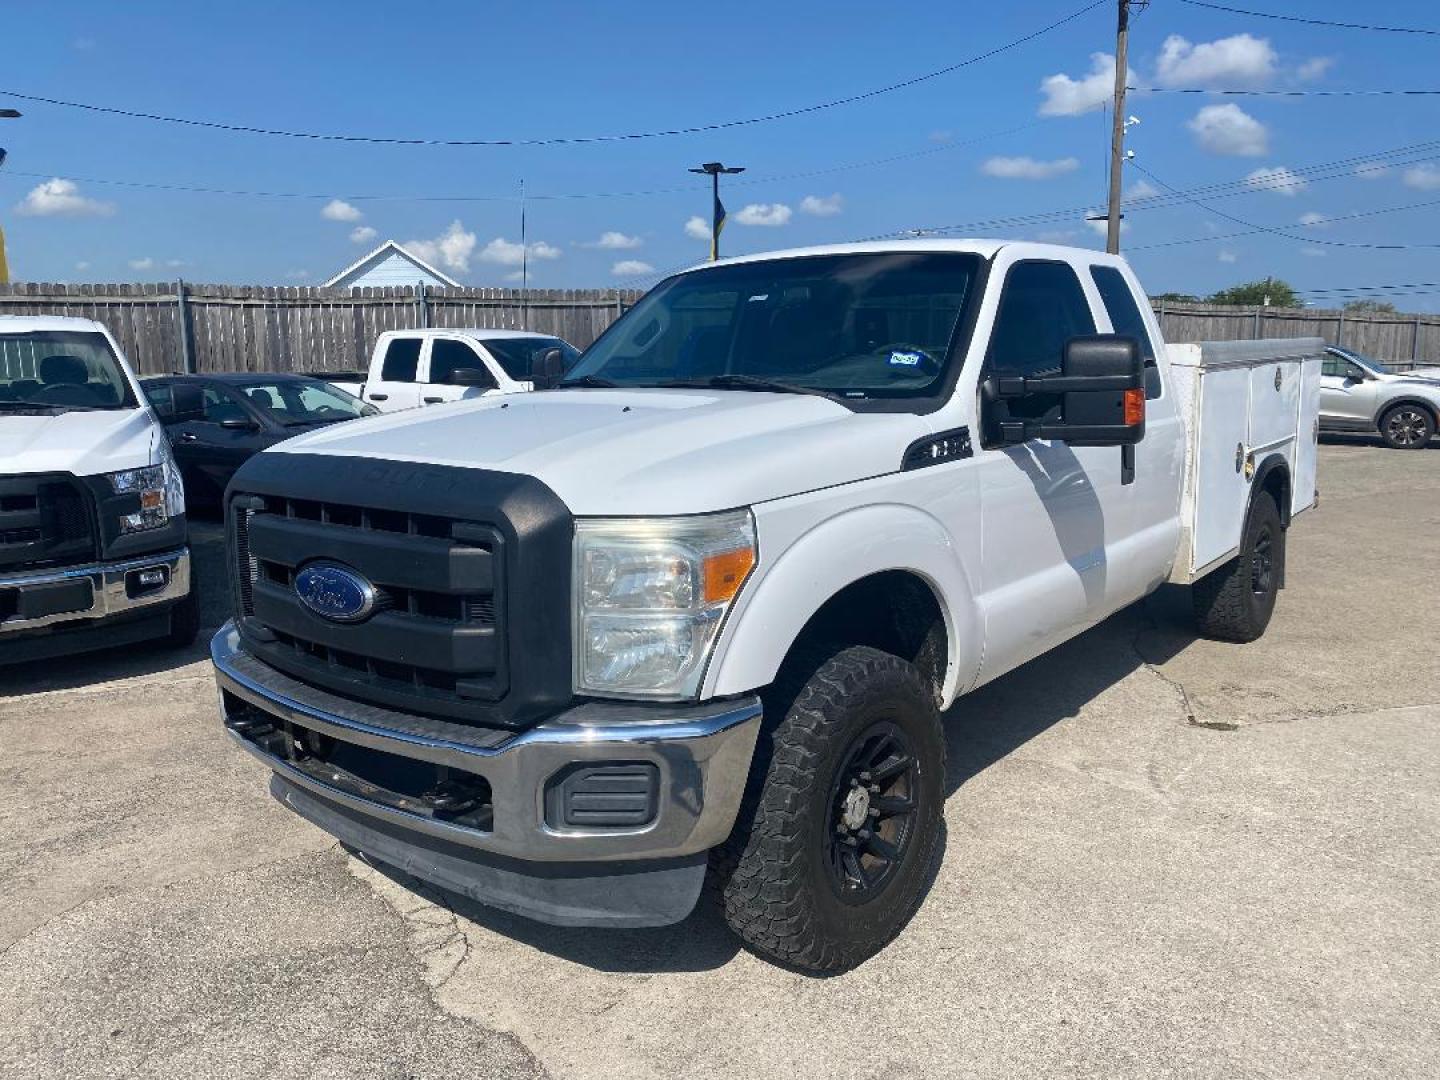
(379, 397)
(189, 436)
(433, 400)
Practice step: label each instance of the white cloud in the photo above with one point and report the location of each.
(362, 233)
(768, 214)
(1313, 220)
(1372, 171)
(615, 241)
(82, 265)
(1055, 236)
(518, 275)
(452, 249)
(1141, 189)
(1423, 177)
(510, 253)
(631, 268)
(61, 198)
(1229, 129)
(1239, 61)
(941, 136)
(698, 228)
(1314, 253)
(146, 263)
(1027, 168)
(297, 275)
(83, 44)
(1064, 96)
(1227, 256)
(175, 263)
(1278, 179)
(1314, 68)
(822, 205)
(340, 210)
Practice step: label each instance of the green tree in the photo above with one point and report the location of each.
(1175, 298)
(1366, 307)
(1255, 293)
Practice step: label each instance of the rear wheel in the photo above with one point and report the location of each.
(1407, 427)
(1235, 602)
(836, 841)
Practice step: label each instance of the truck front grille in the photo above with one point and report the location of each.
(45, 520)
(444, 561)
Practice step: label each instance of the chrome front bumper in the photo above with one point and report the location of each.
(112, 588)
(701, 756)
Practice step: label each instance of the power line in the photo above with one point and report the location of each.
(1313, 22)
(1310, 224)
(1283, 93)
(563, 140)
(1281, 232)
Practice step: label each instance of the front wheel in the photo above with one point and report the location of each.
(836, 846)
(1407, 427)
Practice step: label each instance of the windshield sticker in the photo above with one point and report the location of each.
(899, 358)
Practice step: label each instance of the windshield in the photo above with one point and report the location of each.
(517, 355)
(1375, 367)
(302, 401)
(60, 370)
(874, 324)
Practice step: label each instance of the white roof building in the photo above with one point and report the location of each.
(390, 264)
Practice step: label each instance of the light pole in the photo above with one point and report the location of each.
(5, 114)
(717, 219)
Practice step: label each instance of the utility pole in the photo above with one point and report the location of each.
(1117, 128)
(717, 209)
(5, 114)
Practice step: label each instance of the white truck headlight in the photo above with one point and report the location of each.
(650, 596)
(152, 484)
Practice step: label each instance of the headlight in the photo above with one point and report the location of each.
(151, 484)
(650, 596)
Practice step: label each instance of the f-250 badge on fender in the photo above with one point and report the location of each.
(335, 592)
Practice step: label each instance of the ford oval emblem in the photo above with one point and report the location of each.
(335, 592)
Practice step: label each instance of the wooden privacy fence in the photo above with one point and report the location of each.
(183, 327)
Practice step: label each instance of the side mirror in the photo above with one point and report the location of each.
(239, 423)
(470, 376)
(547, 369)
(1101, 392)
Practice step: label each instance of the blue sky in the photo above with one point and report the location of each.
(1010, 136)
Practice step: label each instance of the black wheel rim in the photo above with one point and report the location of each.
(873, 803)
(1262, 563)
(1407, 427)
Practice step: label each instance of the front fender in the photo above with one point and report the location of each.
(819, 563)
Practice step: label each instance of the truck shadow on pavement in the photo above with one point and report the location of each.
(981, 729)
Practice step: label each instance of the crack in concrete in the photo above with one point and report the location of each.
(1176, 686)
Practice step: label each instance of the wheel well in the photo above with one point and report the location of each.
(895, 611)
(1274, 478)
(1417, 403)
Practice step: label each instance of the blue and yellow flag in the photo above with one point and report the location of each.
(716, 226)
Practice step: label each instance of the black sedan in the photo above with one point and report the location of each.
(244, 414)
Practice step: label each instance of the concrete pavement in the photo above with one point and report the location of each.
(1163, 857)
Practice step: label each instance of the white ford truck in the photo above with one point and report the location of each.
(92, 512)
(705, 602)
(413, 368)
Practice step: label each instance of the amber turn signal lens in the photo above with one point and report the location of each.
(149, 500)
(1134, 408)
(726, 572)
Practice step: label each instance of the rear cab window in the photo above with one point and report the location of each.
(1125, 318)
(402, 360)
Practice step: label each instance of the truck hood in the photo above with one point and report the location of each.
(640, 451)
(80, 442)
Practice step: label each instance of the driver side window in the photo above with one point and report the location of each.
(220, 406)
(1041, 308)
(448, 356)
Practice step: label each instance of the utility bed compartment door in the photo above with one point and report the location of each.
(1245, 401)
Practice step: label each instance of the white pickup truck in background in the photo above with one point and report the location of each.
(705, 602)
(412, 368)
(93, 540)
